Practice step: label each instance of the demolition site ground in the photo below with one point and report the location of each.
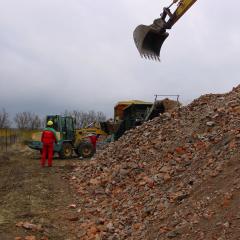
(35, 202)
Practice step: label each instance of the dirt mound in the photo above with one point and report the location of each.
(175, 177)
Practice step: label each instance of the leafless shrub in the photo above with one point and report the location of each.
(4, 119)
(83, 119)
(28, 120)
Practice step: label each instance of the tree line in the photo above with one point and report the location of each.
(30, 120)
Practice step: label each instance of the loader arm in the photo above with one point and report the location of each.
(149, 39)
(183, 6)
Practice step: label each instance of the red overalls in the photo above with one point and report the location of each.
(48, 140)
(93, 140)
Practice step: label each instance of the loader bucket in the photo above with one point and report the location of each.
(149, 41)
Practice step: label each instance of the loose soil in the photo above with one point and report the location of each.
(40, 196)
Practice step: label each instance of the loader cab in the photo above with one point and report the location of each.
(65, 125)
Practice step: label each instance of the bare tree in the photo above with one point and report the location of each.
(43, 122)
(83, 119)
(27, 120)
(4, 119)
(101, 117)
(36, 122)
(22, 120)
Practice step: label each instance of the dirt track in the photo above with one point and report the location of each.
(40, 196)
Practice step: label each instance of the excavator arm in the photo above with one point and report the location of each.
(149, 39)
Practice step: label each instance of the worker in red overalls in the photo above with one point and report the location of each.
(93, 139)
(48, 139)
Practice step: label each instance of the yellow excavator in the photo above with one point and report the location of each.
(149, 39)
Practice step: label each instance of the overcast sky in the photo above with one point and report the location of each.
(80, 54)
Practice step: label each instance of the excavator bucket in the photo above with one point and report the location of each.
(149, 40)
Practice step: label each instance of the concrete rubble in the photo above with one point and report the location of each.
(175, 177)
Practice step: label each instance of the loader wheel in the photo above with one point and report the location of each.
(85, 150)
(66, 151)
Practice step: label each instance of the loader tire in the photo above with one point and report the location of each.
(66, 151)
(85, 150)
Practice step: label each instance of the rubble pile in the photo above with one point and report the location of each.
(174, 177)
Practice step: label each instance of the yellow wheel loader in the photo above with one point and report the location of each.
(70, 139)
(149, 39)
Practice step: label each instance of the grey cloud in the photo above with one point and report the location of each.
(80, 54)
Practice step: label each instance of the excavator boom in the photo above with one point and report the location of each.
(149, 39)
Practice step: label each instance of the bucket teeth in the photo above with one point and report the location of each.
(150, 56)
